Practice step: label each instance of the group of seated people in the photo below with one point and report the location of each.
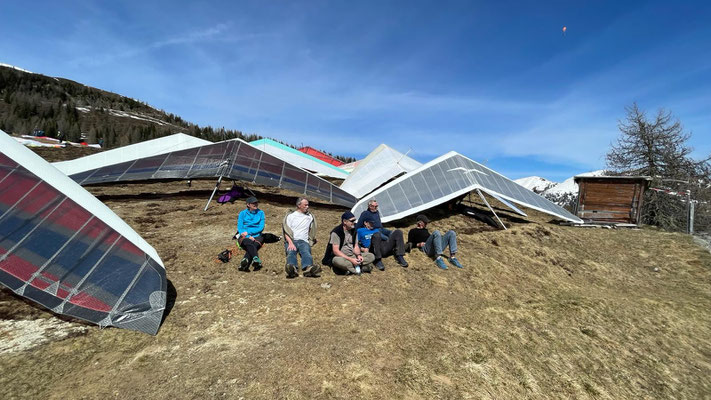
(355, 246)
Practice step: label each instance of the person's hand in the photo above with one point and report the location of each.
(243, 235)
(363, 249)
(421, 244)
(291, 247)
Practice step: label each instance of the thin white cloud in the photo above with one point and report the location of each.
(124, 50)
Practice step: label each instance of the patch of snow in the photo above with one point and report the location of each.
(16, 68)
(569, 185)
(21, 335)
(36, 143)
(535, 183)
(559, 193)
(124, 114)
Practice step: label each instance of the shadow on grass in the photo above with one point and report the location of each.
(171, 297)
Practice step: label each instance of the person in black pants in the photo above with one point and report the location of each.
(369, 239)
(250, 224)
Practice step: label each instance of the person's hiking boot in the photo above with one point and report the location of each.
(256, 263)
(313, 271)
(291, 271)
(453, 260)
(440, 263)
(401, 261)
(367, 268)
(379, 265)
(244, 265)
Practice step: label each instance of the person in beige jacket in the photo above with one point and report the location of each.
(299, 228)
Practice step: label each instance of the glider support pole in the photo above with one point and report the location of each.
(219, 180)
(491, 209)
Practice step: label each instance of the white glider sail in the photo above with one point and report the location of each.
(64, 249)
(381, 165)
(299, 159)
(446, 178)
(232, 159)
(153, 147)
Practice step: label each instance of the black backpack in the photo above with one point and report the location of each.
(225, 255)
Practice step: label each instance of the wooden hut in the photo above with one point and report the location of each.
(611, 199)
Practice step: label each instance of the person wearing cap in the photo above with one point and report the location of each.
(342, 253)
(250, 224)
(299, 229)
(373, 212)
(433, 245)
(369, 239)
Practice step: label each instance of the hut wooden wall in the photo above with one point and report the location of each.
(614, 201)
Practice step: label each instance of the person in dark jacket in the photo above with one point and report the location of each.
(250, 224)
(299, 229)
(369, 238)
(342, 253)
(373, 212)
(433, 245)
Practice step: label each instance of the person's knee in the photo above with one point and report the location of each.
(452, 233)
(436, 234)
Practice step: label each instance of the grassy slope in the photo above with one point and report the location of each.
(539, 311)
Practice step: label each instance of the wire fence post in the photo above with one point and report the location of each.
(690, 209)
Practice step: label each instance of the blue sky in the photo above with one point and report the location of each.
(496, 81)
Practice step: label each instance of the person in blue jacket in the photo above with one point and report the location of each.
(250, 224)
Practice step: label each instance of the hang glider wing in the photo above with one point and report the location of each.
(504, 202)
(232, 159)
(166, 144)
(64, 249)
(381, 165)
(299, 159)
(446, 178)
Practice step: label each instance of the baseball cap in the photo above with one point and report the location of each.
(423, 218)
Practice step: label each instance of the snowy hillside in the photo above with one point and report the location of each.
(536, 183)
(16, 68)
(563, 193)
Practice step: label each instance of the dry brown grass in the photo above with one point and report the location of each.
(539, 311)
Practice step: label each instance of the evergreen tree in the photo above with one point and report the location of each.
(658, 148)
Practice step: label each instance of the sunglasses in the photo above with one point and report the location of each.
(352, 220)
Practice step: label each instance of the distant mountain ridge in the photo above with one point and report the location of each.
(563, 193)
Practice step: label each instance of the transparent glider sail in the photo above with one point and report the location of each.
(446, 178)
(64, 249)
(233, 159)
(299, 159)
(381, 165)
